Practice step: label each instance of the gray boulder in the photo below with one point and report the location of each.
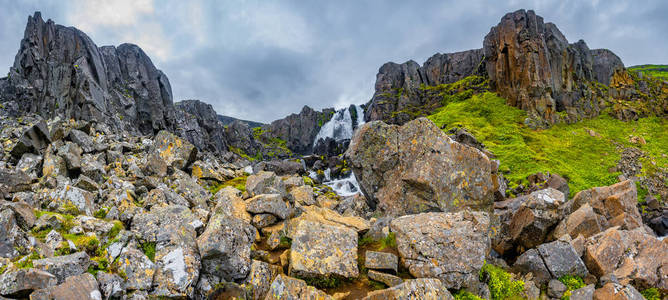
(421, 288)
(64, 266)
(34, 140)
(83, 287)
(21, 282)
(561, 259)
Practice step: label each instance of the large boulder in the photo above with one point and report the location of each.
(82, 287)
(616, 205)
(64, 266)
(13, 240)
(417, 167)
(421, 288)
(34, 140)
(173, 150)
(449, 246)
(265, 183)
(20, 283)
(271, 204)
(320, 250)
(632, 256)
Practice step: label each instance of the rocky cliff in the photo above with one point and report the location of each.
(299, 130)
(528, 62)
(59, 71)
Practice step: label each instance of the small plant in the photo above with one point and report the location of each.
(324, 282)
(466, 295)
(501, 285)
(285, 242)
(652, 294)
(101, 213)
(118, 226)
(572, 283)
(365, 240)
(390, 241)
(149, 249)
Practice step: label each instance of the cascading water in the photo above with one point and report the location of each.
(341, 128)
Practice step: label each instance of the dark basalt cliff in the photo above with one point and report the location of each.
(59, 71)
(527, 61)
(299, 130)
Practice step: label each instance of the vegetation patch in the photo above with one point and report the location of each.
(501, 284)
(238, 183)
(572, 283)
(653, 294)
(390, 241)
(584, 152)
(657, 71)
(149, 250)
(465, 295)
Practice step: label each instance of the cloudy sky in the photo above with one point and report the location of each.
(262, 60)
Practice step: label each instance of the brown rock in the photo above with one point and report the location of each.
(583, 221)
(417, 167)
(617, 204)
(614, 291)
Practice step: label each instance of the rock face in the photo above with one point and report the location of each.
(398, 85)
(197, 122)
(299, 130)
(449, 246)
(60, 71)
(605, 63)
(416, 168)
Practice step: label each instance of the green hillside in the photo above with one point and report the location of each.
(659, 71)
(583, 152)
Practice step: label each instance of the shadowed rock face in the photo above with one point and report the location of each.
(59, 71)
(198, 122)
(299, 130)
(398, 85)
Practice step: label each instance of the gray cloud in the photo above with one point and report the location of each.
(262, 60)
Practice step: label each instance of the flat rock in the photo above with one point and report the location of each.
(269, 203)
(449, 246)
(388, 279)
(421, 288)
(265, 183)
(321, 250)
(380, 261)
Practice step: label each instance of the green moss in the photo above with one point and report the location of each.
(308, 181)
(657, 71)
(501, 285)
(364, 240)
(465, 295)
(565, 149)
(25, 262)
(653, 294)
(572, 283)
(390, 241)
(149, 250)
(324, 282)
(238, 183)
(118, 226)
(101, 213)
(88, 243)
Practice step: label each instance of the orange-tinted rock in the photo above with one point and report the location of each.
(582, 221)
(617, 204)
(614, 291)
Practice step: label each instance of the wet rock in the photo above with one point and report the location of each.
(421, 288)
(21, 282)
(449, 246)
(617, 204)
(269, 203)
(630, 255)
(561, 259)
(225, 247)
(388, 279)
(265, 183)
(34, 140)
(320, 250)
(64, 266)
(82, 287)
(173, 150)
(381, 261)
(423, 170)
(284, 287)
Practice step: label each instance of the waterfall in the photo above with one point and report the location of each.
(341, 128)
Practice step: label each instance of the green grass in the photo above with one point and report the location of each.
(390, 241)
(149, 250)
(465, 295)
(238, 183)
(501, 285)
(658, 71)
(652, 294)
(565, 149)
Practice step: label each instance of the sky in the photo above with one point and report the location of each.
(262, 60)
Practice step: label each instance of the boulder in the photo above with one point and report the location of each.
(71, 200)
(380, 261)
(260, 278)
(71, 152)
(82, 287)
(632, 256)
(265, 183)
(64, 266)
(321, 250)
(327, 216)
(53, 165)
(34, 140)
(173, 150)
(228, 201)
(13, 240)
(585, 293)
(93, 167)
(531, 262)
(556, 289)
(421, 170)
(269, 203)
(583, 221)
(302, 195)
(449, 246)
(561, 259)
(616, 204)
(112, 286)
(225, 247)
(288, 288)
(82, 139)
(280, 167)
(137, 267)
(21, 282)
(615, 291)
(535, 218)
(388, 279)
(421, 288)
(30, 164)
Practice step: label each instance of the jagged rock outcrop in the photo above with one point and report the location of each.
(398, 85)
(299, 130)
(605, 63)
(197, 122)
(59, 71)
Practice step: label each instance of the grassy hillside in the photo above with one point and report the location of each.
(583, 152)
(658, 71)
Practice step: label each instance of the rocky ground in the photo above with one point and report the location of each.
(110, 191)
